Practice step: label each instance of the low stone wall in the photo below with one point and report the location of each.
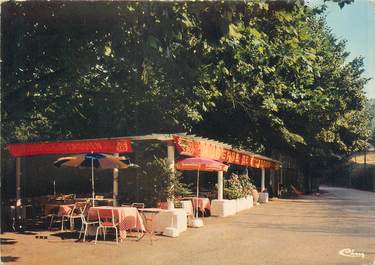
(224, 208)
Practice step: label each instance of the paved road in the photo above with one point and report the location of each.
(303, 231)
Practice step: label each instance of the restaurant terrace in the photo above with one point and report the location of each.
(172, 221)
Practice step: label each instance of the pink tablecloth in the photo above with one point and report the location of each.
(64, 209)
(203, 203)
(128, 218)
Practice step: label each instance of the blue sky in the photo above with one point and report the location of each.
(356, 24)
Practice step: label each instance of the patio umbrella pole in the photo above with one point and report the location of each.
(92, 182)
(196, 202)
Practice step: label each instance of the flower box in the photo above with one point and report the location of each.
(224, 208)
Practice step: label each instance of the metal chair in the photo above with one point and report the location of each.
(138, 205)
(107, 220)
(66, 217)
(79, 208)
(53, 214)
(85, 225)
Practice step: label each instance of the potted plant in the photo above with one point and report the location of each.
(167, 183)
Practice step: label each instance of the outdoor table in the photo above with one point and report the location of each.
(202, 203)
(128, 217)
(149, 216)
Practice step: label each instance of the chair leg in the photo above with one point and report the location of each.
(50, 223)
(96, 236)
(116, 235)
(84, 235)
(80, 232)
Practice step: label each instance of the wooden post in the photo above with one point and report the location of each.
(272, 182)
(115, 184)
(170, 155)
(220, 185)
(262, 187)
(18, 182)
(18, 189)
(171, 162)
(281, 175)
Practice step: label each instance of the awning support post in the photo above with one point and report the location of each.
(18, 182)
(220, 185)
(115, 184)
(171, 162)
(170, 155)
(262, 187)
(18, 188)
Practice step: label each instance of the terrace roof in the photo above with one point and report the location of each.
(190, 145)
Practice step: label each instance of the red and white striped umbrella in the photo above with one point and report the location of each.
(94, 160)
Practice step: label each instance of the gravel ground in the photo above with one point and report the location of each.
(302, 231)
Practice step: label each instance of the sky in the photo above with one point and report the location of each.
(356, 24)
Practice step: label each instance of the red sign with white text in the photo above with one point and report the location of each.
(71, 147)
(192, 147)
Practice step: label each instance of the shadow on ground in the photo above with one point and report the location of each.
(7, 241)
(66, 235)
(9, 259)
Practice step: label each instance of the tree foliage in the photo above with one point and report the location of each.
(286, 86)
(98, 69)
(259, 75)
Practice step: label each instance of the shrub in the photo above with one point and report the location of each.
(237, 187)
(164, 182)
(232, 188)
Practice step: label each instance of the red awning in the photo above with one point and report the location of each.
(192, 147)
(71, 147)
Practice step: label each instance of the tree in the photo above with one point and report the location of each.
(260, 75)
(286, 86)
(98, 69)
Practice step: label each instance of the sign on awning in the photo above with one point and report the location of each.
(190, 147)
(71, 147)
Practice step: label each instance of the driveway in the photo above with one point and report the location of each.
(302, 231)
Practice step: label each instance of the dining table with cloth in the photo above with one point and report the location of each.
(128, 218)
(202, 203)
